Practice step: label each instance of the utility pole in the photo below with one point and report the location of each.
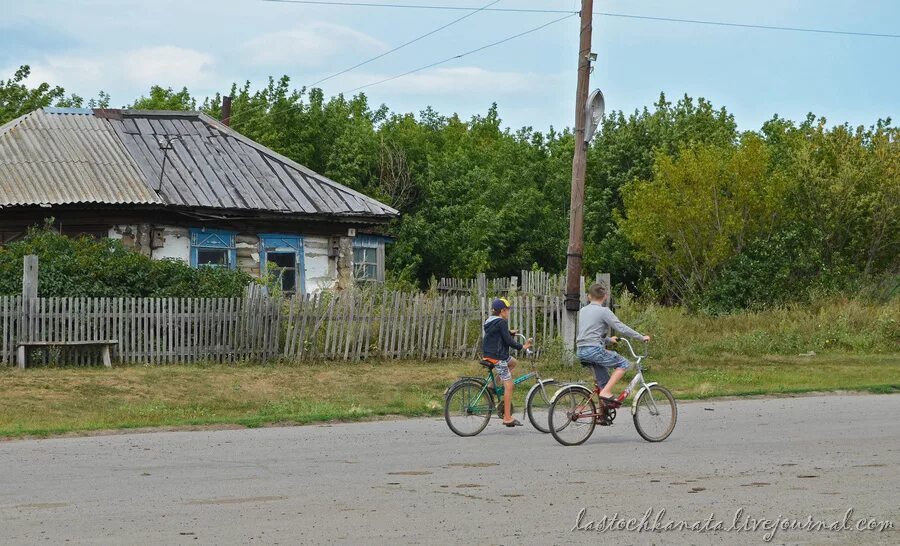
(579, 166)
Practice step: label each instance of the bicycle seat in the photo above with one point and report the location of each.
(489, 364)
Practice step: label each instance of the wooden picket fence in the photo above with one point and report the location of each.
(10, 323)
(352, 325)
(357, 326)
(147, 330)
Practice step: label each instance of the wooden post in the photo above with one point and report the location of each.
(30, 277)
(29, 294)
(104, 351)
(605, 279)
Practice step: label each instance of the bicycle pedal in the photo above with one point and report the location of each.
(607, 419)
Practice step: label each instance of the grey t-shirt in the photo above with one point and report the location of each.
(595, 323)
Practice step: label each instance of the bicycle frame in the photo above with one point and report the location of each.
(638, 379)
(491, 380)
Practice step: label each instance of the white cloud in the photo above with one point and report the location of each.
(312, 45)
(64, 69)
(169, 65)
(143, 67)
(459, 81)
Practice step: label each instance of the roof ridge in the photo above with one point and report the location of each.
(134, 113)
(70, 111)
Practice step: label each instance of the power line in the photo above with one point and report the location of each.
(430, 65)
(375, 58)
(748, 25)
(401, 46)
(461, 55)
(599, 13)
(416, 6)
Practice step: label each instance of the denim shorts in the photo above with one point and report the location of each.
(600, 360)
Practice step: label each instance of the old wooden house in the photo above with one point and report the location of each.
(182, 185)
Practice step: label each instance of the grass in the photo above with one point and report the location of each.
(853, 345)
(47, 401)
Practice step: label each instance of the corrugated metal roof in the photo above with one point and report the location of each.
(207, 165)
(59, 156)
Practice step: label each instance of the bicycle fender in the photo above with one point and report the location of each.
(537, 385)
(638, 395)
(460, 380)
(575, 386)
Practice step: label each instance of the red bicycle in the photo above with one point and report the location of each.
(574, 409)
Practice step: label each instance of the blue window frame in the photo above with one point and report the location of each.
(368, 258)
(213, 248)
(365, 262)
(282, 254)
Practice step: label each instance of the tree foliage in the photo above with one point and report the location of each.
(791, 207)
(167, 98)
(679, 203)
(17, 98)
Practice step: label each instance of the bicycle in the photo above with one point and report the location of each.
(469, 402)
(574, 415)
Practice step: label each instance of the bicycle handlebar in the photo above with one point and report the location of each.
(527, 351)
(631, 348)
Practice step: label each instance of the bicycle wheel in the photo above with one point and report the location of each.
(538, 405)
(468, 407)
(572, 416)
(655, 413)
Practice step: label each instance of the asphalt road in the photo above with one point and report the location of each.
(413, 481)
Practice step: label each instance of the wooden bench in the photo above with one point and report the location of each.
(104, 345)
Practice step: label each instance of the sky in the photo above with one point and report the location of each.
(125, 46)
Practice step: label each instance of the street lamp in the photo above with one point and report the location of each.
(593, 114)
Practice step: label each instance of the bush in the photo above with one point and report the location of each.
(86, 267)
(785, 267)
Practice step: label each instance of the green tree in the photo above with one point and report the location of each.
(625, 149)
(700, 209)
(848, 186)
(17, 98)
(165, 99)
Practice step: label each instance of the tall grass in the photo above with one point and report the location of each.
(838, 325)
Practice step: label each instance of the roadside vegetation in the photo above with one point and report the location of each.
(845, 345)
(88, 267)
(743, 250)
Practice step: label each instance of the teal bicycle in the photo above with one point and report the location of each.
(470, 401)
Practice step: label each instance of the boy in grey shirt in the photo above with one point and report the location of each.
(595, 324)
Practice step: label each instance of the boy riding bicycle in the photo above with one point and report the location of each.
(595, 323)
(495, 349)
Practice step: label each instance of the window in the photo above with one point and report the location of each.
(368, 258)
(282, 256)
(213, 248)
(365, 263)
